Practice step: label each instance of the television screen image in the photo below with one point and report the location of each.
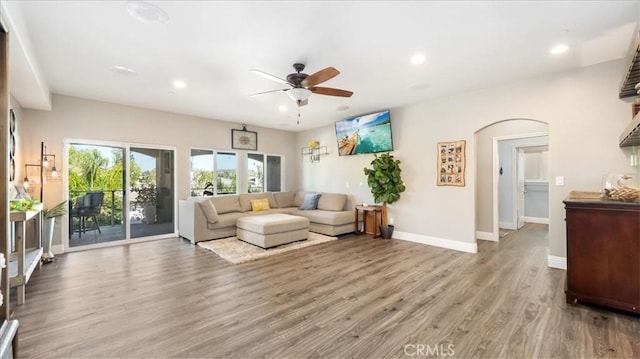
(365, 134)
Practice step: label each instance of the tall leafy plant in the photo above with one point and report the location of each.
(385, 181)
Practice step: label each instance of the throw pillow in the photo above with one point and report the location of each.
(260, 204)
(209, 211)
(310, 201)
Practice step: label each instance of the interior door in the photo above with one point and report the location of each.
(520, 187)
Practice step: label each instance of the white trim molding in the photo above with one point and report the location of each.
(487, 236)
(437, 242)
(57, 249)
(508, 225)
(557, 262)
(536, 220)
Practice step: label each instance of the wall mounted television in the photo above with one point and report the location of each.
(370, 133)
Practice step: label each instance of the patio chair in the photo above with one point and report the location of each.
(87, 206)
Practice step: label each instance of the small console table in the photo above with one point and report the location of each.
(26, 258)
(375, 212)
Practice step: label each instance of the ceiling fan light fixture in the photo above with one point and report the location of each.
(299, 94)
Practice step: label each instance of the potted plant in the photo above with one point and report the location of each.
(386, 185)
(49, 216)
(147, 197)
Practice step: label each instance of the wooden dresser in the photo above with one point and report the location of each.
(603, 253)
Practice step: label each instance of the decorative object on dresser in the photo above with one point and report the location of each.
(603, 253)
(243, 139)
(385, 181)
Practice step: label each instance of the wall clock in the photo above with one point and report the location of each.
(243, 139)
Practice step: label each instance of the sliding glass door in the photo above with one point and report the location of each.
(152, 189)
(119, 192)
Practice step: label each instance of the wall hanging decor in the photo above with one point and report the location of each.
(243, 139)
(451, 163)
(12, 145)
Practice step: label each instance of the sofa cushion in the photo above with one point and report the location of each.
(331, 218)
(284, 199)
(226, 220)
(332, 201)
(246, 198)
(298, 198)
(209, 211)
(226, 204)
(258, 205)
(310, 201)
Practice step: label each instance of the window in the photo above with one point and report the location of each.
(213, 173)
(226, 173)
(261, 176)
(202, 171)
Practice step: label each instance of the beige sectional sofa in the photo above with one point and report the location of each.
(206, 218)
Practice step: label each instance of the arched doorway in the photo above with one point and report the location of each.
(498, 147)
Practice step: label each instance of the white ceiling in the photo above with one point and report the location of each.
(212, 45)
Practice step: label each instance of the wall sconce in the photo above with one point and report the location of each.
(314, 151)
(45, 164)
(45, 159)
(26, 184)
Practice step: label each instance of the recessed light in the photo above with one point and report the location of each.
(342, 108)
(179, 84)
(418, 59)
(123, 70)
(282, 108)
(146, 12)
(559, 49)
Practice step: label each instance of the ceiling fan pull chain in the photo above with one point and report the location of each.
(298, 122)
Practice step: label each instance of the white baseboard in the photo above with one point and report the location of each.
(437, 242)
(536, 220)
(486, 236)
(557, 262)
(508, 225)
(57, 249)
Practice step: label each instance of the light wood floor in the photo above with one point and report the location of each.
(357, 297)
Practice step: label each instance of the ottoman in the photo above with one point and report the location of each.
(272, 230)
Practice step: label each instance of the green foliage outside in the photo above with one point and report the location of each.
(90, 171)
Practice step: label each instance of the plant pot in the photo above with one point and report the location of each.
(149, 214)
(48, 224)
(386, 231)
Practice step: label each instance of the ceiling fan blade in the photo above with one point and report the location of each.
(262, 93)
(269, 76)
(320, 77)
(331, 91)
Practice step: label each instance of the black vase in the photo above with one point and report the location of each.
(386, 231)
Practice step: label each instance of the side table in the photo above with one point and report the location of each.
(376, 211)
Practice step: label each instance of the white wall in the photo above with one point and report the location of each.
(74, 118)
(585, 118)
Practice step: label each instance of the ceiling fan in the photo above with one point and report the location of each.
(303, 85)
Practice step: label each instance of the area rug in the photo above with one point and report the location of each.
(237, 251)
